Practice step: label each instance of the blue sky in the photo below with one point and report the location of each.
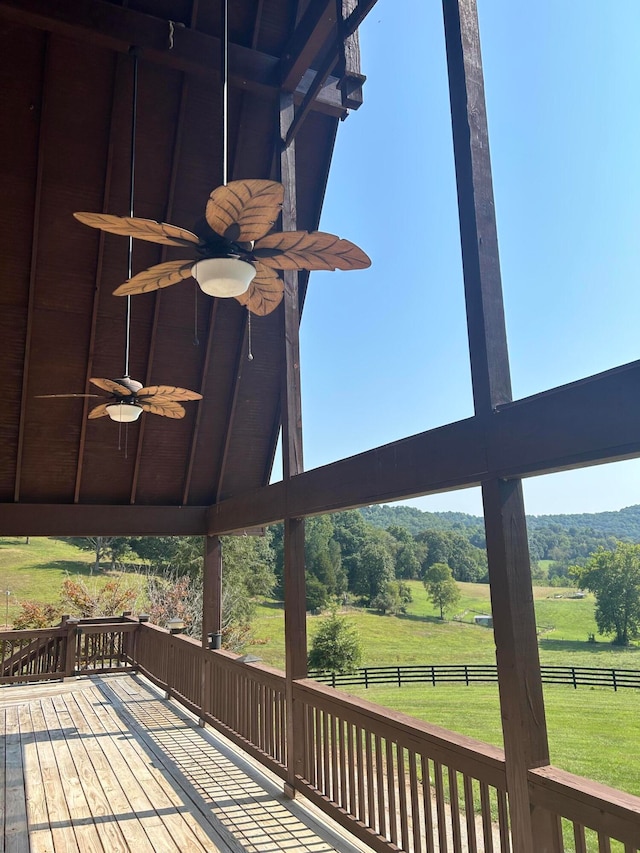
(384, 351)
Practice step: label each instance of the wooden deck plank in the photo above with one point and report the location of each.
(15, 828)
(254, 813)
(162, 821)
(64, 838)
(184, 824)
(123, 760)
(40, 836)
(117, 803)
(80, 766)
(79, 812)
(105, 765)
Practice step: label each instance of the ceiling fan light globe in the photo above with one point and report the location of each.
(223, 276)
(124, 413)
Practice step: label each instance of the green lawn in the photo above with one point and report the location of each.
(564, 625)
(35, 572)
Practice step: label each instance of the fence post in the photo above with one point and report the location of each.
(71, 624)
(366, 678)
(613, 676)
(573, 676)
(399, 678)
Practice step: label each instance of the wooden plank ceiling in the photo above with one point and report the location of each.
(65, 102)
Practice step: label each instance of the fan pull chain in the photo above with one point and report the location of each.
(250, 354)
(196, 339)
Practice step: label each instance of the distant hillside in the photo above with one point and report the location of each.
(623, 523)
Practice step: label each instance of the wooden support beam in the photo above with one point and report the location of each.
(182, 48)
(212, 592)
(591, 421)
(96, 520)
(295, 619)
(308, 39)
(521, 700)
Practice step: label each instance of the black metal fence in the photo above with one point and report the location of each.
(575, 676)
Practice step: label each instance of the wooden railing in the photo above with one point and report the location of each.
(34, 655)
(394, 782)
(399, 784)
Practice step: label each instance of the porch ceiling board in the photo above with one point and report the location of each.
(60, 323)
(116, 28)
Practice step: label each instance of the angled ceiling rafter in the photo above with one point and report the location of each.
(37, 199)
(175, 162)
(206, 365)
(118, 65)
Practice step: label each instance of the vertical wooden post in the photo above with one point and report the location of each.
(211, 615)
(212, 592)
(521, 699)
(71, 626)
(295, 623)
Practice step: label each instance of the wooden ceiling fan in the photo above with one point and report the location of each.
(235, 237)
(128, 399)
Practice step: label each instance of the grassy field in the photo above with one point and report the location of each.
(35, 572)
(564, 625)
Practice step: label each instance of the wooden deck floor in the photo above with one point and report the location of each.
(106, 765)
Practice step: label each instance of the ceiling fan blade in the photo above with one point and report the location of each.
(265, 292)
(243, 211)
(112, 387)
(167, 392)
(142, 229)
(51, 396)
(167, 408)
(99, 411)
(161, 275)
(304, 250)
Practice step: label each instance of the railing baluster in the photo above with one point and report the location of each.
(371, 800)
(485, 805)
(503, 822)
(382, 812)
(469, 810)
(579, 838)
(415, 803)
(454, 810)
(391, 792)
(402, 792)
(426, 803)
(440, 807)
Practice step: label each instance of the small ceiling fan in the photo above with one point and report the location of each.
(128, 399)
(234, 253)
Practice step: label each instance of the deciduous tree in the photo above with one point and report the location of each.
(614, 578)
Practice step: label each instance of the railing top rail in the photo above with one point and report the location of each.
(587, 802)
(478, 759)
(108, 627)
(33, 633)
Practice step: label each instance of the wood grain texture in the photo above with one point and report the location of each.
(141, 229)
(243, 211)
(156, 278)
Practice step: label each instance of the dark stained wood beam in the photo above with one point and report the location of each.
(521, 699)
(118, 28)
(98, 281)
(98, 520)
(212, 591)
(308, 39)
(35, 235)
(584, 423)
(175, 162)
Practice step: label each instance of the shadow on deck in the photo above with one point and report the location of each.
(106, 764)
